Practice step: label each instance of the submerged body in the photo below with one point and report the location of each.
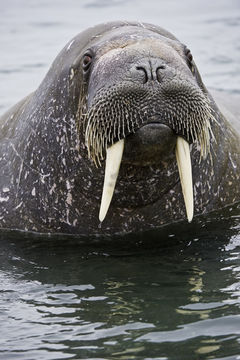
(135, 86)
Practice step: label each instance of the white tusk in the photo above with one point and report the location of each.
(113, 162)
(185, 172)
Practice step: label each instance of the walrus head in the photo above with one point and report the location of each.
(144, 95)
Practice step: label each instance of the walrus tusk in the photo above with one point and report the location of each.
(185, 172)
(113, 162)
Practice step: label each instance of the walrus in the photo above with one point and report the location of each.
(121, 136)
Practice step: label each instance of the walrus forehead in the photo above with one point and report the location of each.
(131, 36)
(142, 48)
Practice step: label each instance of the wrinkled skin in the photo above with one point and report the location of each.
(49, 184)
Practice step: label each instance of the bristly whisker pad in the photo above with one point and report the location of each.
(121, 110)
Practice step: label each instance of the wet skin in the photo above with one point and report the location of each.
(139, 84)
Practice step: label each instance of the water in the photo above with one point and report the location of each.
(169, 294)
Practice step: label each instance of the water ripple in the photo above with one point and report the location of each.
(224, 326)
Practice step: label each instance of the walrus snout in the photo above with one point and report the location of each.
(150, 144)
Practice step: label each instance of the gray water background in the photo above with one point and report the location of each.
(169, 294)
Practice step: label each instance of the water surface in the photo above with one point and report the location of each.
(168, 294)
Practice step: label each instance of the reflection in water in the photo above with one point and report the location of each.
(158, 295)
(197, 284)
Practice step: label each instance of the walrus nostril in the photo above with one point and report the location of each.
(151, 72)
(145, 74)
(159, 71)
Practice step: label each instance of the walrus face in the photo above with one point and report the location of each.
(144, 94)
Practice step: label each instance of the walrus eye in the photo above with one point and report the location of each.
(189, 59)
(189, 55)
(87, 60)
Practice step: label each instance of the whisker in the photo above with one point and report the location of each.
(115, 115)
